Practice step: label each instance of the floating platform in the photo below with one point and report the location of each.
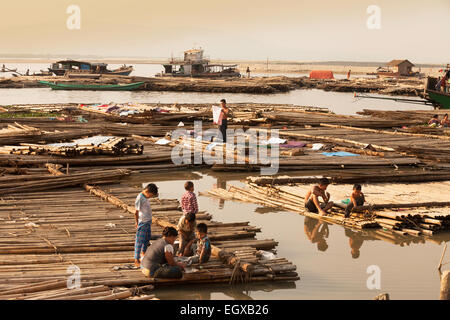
(74, 227)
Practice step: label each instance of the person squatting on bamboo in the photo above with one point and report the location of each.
(189, 200)
(159, 260)
(356, 199)
(143, 221)
(201, 249)
(434, 121)
(186, 228)
(312, 203)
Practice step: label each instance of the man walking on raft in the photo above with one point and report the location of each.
(312, 203)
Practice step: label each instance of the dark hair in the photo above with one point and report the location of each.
(203, 228)
(188, 185)
(357, 186)
(169, 232)
(355, 255)
(324, 182)
(446, 115)
(322, 245)
(190, 216)
(223, 100)
(435, 116)
(152, 188)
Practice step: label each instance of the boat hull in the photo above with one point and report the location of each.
(440, 98)
(94, 87)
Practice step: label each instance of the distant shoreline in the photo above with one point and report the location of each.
(258, 66)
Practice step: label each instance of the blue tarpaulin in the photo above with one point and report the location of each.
(339, 154)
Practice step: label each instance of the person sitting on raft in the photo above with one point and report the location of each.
(356, 199)
(158, 261)
(434, 122)
(202, 249)
(312, 203)
(445, 122)
(186, 228)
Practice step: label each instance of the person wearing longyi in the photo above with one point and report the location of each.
(312, 203)
(143, 221)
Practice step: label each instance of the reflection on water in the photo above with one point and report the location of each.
(317, 231)
(221, 291)
(331, 260)
(355, 240)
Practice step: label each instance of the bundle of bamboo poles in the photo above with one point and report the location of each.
(114, 146)
(413, 223)
(19, 130)
(52, 182)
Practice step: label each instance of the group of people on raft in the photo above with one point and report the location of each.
(164, 258)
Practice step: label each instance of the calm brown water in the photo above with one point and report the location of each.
(329, 273)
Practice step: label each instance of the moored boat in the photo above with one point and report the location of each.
(95, 87)
(64, 67)
(438, 96)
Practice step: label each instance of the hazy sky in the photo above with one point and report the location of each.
(231, 29)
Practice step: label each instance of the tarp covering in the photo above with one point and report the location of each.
(321, 74)
(94, 141)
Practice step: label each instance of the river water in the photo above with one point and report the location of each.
(326, 266)
(338, 102)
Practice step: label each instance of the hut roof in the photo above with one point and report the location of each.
(395, 63)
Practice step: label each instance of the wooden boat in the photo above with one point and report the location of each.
(440, 99)
(63, 67)
(96, 87)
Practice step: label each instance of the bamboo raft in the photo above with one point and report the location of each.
(73, 227)
(398, 211)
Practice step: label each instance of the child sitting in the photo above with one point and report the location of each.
(202, 249)
(357, 199)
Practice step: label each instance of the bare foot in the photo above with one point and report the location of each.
(137, 264)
